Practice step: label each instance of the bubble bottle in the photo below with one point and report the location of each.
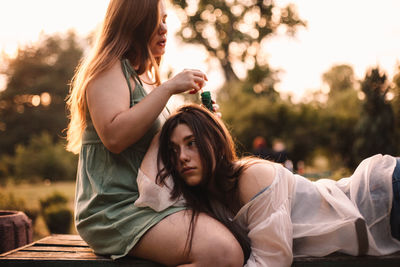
(206, 100)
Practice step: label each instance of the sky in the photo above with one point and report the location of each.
(360, 33)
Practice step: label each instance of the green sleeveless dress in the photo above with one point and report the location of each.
(106, 188)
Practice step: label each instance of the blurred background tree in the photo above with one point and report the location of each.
(375, 128)
(233, 32)
(43, 158)
(37, 84)
(333, 123)
(32, 103)
(341, 113)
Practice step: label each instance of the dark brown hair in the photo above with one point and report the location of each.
(217, 194)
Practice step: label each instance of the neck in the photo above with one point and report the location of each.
(145, 77)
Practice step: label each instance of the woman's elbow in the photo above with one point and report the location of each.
(113, 144)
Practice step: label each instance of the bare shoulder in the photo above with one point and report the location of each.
(111, 77)
(108, 92)
(254, 179)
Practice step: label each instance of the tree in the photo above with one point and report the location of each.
(375, 129)
(234, 30)
(37, 84)
(339, 78)
(43, 159)
(259, 115)
(342, 112)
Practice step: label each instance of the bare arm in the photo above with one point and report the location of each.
(118, 125)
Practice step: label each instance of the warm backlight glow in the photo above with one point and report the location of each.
(360, 33)
(45, 99)
(35, 100)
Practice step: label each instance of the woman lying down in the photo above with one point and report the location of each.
(273, 213)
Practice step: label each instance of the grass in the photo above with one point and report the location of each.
(31, 193)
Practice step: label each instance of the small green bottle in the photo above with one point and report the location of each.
(206, 100)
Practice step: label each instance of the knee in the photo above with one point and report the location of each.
(227, 253)
(220, 250)
(215, 245)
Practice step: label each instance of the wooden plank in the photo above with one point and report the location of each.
(77, 263)
(64, 237)
(58, 242)
(58, 248)
(62, 251)
(66, 250)
(59, 255)
(14, 250)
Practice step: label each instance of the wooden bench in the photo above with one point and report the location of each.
(63, 251)
(67, 250)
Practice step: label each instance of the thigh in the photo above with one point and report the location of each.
(165, 242)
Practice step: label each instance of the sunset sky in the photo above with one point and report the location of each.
(361, 33)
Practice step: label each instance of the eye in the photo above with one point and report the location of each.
(164, 19)
(192, 143)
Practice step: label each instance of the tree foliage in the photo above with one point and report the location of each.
(339, 78)
(37, 84)
(341, 113)
(234, 30)
(249, 115)
(329, 128)
(375, 129)
(43, 159)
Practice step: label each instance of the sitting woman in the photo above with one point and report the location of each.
(274, 213)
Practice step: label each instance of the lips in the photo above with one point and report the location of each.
(162, 42)
(187, 169)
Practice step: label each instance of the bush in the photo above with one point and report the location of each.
(56, 214)
(6, 164)
(44, 159)
(58, 218)
(56, 198)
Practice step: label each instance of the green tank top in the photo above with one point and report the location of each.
(106, 187)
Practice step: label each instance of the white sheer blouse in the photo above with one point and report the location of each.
(296, 217)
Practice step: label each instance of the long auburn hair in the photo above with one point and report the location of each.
(126, 32)
(217, 195)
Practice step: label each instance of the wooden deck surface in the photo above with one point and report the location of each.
(71, 250)
(63, 250)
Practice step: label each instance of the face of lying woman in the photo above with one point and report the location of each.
(189, 163)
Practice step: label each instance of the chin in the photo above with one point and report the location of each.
(192, 183)
(158, 52)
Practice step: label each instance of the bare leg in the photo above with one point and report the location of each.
(213, 244)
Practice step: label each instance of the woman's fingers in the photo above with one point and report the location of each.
(215, 106)
(199, 81)
(189, 80)
(198, 73)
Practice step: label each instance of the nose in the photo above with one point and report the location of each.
(183, 156)
(162, 28)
